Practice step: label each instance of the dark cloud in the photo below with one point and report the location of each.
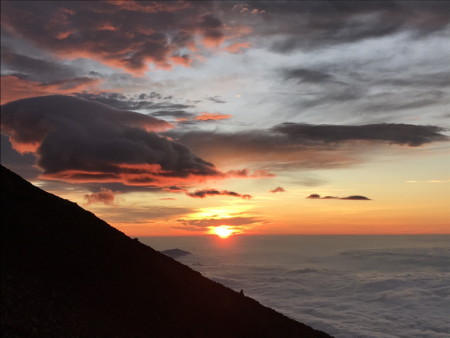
(174, 188)
(143, 101)
(308, 25)
(350, 198)
(291, 146)
(403, 134)
(76, 140)
(202, 193)
(306, 75)
(215, 99)
(35, 69)
(180, 114)
(128, 35)
(278, 189)
(104, 196)
(355, 198)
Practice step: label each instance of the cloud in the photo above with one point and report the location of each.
(290, 146)
(307, 26)
(306, 75)
(245, 173)
(202, 193)
(158, 106)
(144, 101)
(356, 198)
(104, 196)
(350, 198)
(174, 189)
(205, 116)
(215, 99)
(127, 35)
(76, 140)
(168, 199)
(15, 88)
(35, 69)
(402, 134)
(179, 114)
(236, 48)
(278, 189)
(217, 222)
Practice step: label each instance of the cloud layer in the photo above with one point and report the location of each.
(347, 286)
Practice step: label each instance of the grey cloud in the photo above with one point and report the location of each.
(143, 101)
(93, 73)
(215, 99)
(173, 113)
(306, 75)
(308, 25)
(403, 134)
(82, 141)
(389, 102)
(35, 69)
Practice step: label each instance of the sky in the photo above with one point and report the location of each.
(192, 118)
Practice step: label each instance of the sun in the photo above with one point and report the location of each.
(223, 232)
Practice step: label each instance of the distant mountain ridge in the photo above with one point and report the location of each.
(66, 273)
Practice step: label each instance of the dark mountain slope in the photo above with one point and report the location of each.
(66, 273)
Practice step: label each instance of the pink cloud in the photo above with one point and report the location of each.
(104, 196)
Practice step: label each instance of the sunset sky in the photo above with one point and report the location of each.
(175, 118)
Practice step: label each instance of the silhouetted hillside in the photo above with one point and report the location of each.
(66, 273)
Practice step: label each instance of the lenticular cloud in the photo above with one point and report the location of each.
(81, 141)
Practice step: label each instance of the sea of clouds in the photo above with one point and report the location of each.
(347, 286)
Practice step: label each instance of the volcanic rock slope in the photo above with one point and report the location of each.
(66, 273)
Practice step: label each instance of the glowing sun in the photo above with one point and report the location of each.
(223, 232)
